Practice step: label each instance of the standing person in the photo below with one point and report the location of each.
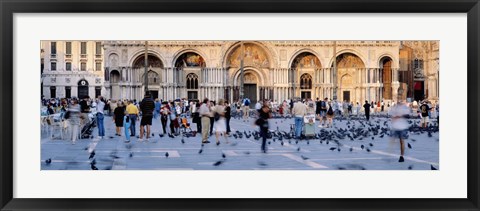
(318, 108)
(238, 106)
(400, 125)
(132, 112)
(85, 109)
(126, 122)
(220, 123)
(262, 122)
(330, 115)
(157, 108)
(118, 115)
(372, 106)
(74, 118)
(358, 109)
(350, 107)
(367, 106)
(164, 114)
(258, 106)
(382, 106)
(299, 110)
(228, 116)
(424, 109)
(246, 108)
(100, 116)
(173, 117)
(323, 112)
(212, 120)
(196, 117)
(345, 109)
(204, 112)
(147, 106)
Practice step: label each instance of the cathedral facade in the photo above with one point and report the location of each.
(344, 70)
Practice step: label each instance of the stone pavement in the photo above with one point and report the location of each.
(111, 153)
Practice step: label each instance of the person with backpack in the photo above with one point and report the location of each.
(330, 115)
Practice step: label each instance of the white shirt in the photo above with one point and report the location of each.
(398, 121)
(100, 107)
(258, 106)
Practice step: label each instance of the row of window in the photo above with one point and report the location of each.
(83, 66)
(68, 91)
(83, 48)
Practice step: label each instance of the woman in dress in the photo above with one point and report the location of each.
(74, 118)
(118, 115)
(220, 124)
(330, 115)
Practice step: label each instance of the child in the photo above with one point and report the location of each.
(126, 126)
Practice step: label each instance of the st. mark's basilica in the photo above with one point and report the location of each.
(344, 70)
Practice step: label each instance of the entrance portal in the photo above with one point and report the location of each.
(192, 95)
(82, 89)
(250, 91)
(306, 95)
(346, 96)
(154, 94)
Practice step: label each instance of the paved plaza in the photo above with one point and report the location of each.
(112, 153)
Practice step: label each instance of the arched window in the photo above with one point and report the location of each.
(192, 81)
(152, 77)
(306, 81)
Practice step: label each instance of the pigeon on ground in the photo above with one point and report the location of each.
(409, 146)
(260, 163)
(298, 149)
(166, 154)
(200, 151)
(281, 143)
(370, 144)
(433, 168)
(247, 152)
(362, 146)
(161, 135)
(183, 141)
(93, 167)
(223, 155)
(332, 148)
(48, 161)
(304, 158)
(410, 167)
(218, 163)
(351, 149)
(368, 150)
(131, 154)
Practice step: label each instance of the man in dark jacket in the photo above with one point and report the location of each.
(367, 110)
(147, 107)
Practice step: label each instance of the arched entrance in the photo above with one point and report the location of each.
(155, 66)
(192, 86)
(82, 88)
(349, 67)
(252, 84)
(306, 86)
(114, 79)
(386, 65)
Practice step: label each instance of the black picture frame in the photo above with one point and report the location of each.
(10, 7)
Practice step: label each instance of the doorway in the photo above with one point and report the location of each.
(192, 95)
(346, 96)
(154, 94)
(306, 95)
(250, 91)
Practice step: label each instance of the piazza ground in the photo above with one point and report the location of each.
(112, 153)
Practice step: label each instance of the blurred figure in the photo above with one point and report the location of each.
(367, 106)
(157, 108)
(147, 106)
(424, 110)
(118, 118)
(100, 116)
(204, 112)
(246, 103)
(330, 115)
(262, 122)
(220, 124)
(164, 114)
(299, 110)
(399, 127)
(132, 112)
(228, 116)
(74, 118)
(126, 123)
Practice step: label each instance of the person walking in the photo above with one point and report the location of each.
(74, 118)
(212, 120)
(299, 110)
(164, 114)
(118, 118)
(330, 115)
(246, 109)
(220, 123)
(205, 113)
(400, 125)
(126, 122)
(228, 116)
(100, 116)
(196, 117)
(173, 117)
(262, 122)
(132, 112)
(367, 107)
(424, 110)
(158, 106)
(147, 106)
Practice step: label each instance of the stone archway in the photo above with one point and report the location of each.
(349, 72)
(346, 88)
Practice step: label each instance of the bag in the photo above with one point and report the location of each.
(330, 111)
(67, 115)
(247, 102)
(216, 116)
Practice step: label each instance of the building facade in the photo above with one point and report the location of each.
(72, 69)
(344, 70)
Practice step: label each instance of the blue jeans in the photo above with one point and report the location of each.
(298, 126)
(133, 118)
(101, 127)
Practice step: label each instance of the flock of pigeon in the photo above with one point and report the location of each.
(355, 130)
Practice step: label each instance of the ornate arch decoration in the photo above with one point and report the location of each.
(113, 59)
(306, 81)
(306, 58)
(115, 73)
(257, 55)
(153, 61)
(189, 58)
(249, 70)
(140, 53)
(349, 60)
(384, 56)
(351, 52)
